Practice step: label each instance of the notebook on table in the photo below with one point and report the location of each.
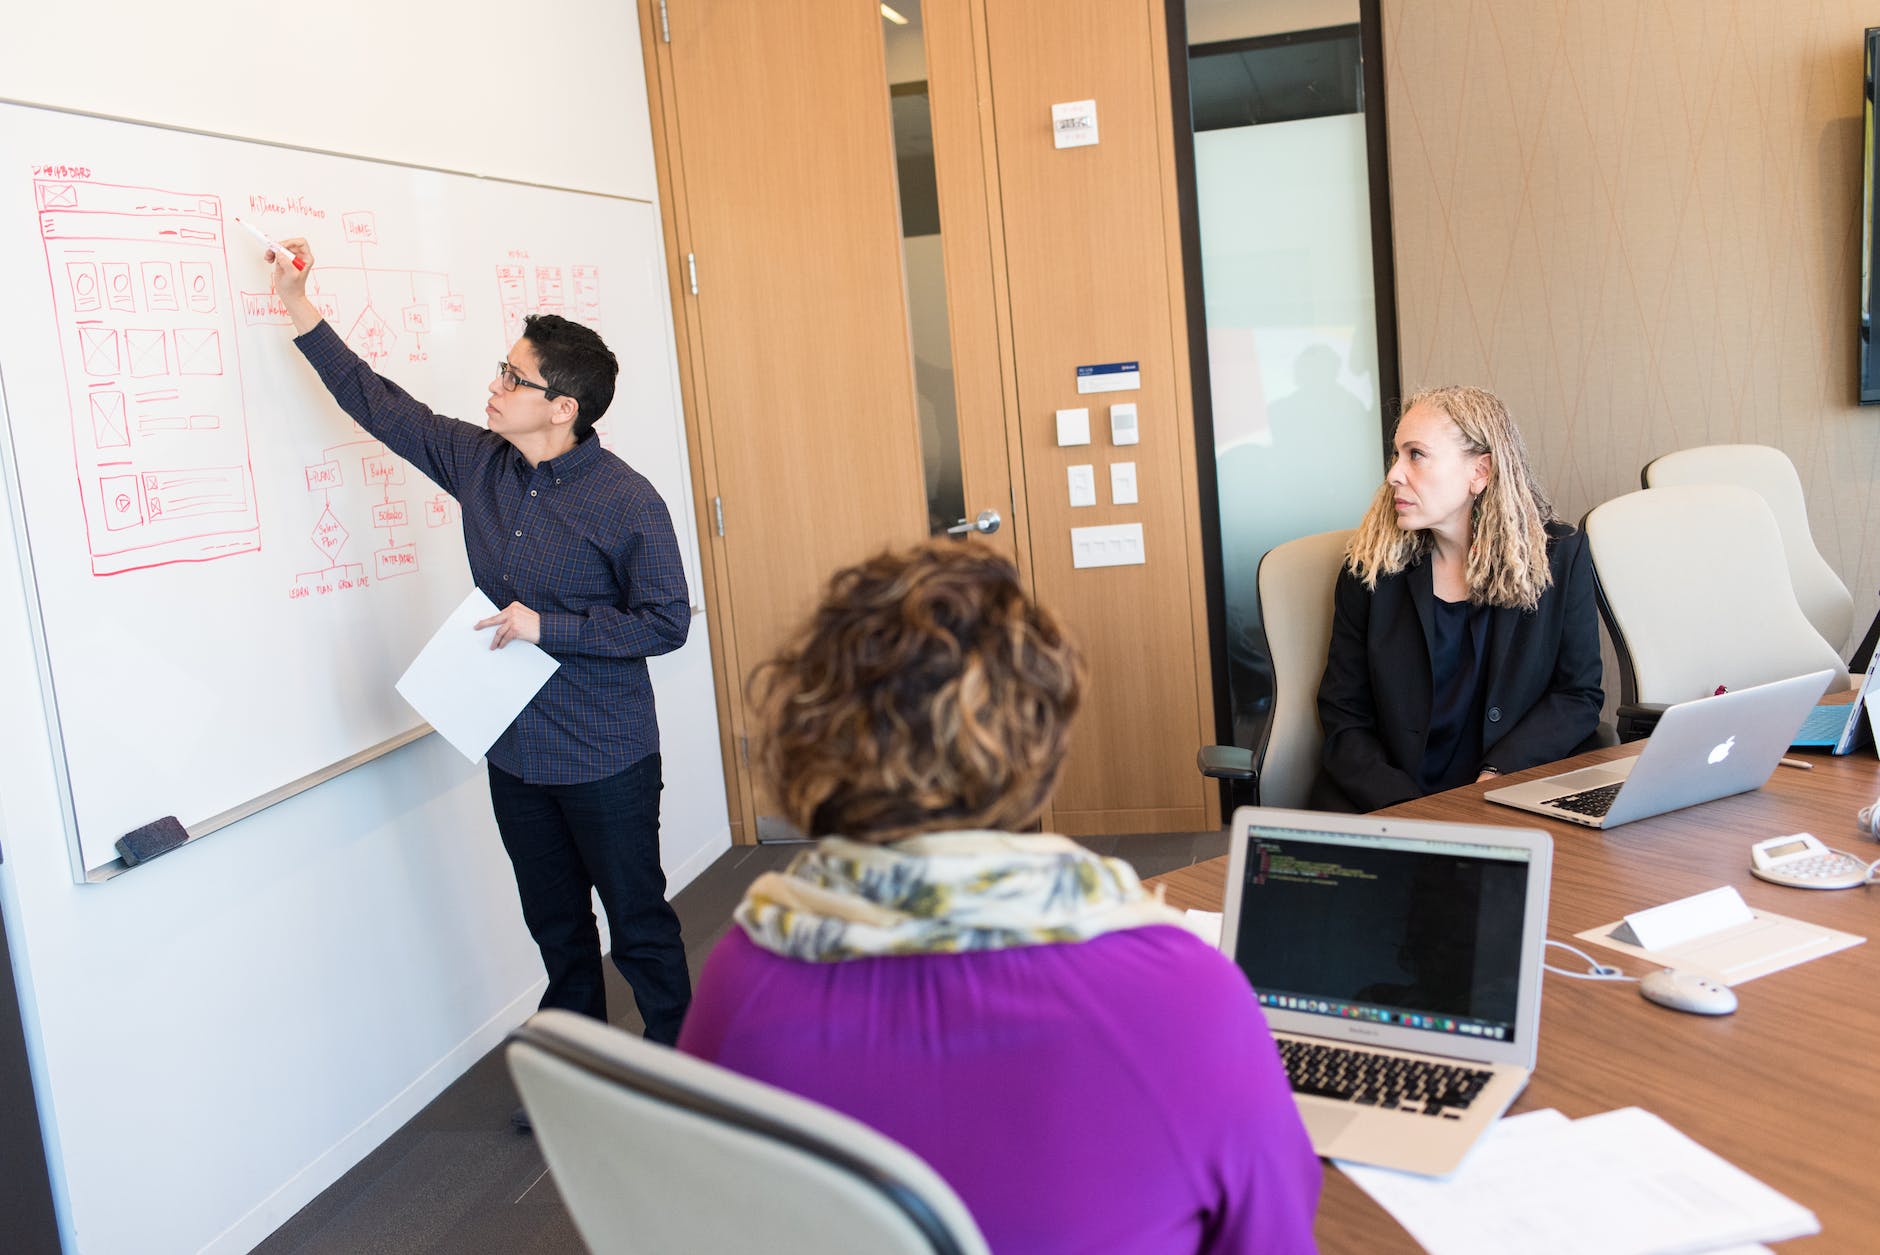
(1698, 751)
(1399, 966)
(1836, 727)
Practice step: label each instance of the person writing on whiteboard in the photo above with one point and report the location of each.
(1463, 638)
(578, 549)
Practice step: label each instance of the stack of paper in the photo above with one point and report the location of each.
(1622, 1183)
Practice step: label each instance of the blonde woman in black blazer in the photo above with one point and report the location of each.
(1463, 643)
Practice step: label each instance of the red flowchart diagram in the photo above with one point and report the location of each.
(376, 467)
(160, 444)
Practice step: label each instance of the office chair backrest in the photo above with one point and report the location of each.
(661, 1153)
(1694, 587)
(1769, 473)
(1296, 581)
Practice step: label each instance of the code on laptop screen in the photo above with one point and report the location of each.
(1414, 934)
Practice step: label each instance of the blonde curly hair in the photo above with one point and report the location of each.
(926, 692)
(1507, 562)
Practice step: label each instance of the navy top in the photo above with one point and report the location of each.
(1458, 682)
(584, 540)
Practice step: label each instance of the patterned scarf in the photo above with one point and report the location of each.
(942, 893)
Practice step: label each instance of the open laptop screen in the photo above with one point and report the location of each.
(1416, 934)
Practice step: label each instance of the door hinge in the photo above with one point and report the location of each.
(718, 514)
(691, 265)
(665, 27)
(744, 749)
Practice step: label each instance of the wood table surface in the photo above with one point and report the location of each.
(1787, 1088)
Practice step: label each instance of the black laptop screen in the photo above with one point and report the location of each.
(1413, 934)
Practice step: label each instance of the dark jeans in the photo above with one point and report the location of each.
(568, 839)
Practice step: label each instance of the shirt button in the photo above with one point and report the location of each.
(531, 492)
(519, 537)
(1494, 712)
(505, 579)
(558, 483)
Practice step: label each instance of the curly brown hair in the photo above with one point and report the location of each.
(1507, 562)
(926, 692)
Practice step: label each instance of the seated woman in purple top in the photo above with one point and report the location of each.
(1022, 1014)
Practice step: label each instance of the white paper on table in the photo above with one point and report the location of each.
(1621, 1183)
(1204, 924)
(468, 691)
(1767, 943)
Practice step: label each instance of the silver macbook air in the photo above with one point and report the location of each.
(1839, 728)
(1399, 965)
(1699, 751)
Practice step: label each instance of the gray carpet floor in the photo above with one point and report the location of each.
(458, 1180)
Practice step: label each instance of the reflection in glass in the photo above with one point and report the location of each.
(922, 260)
(1284, 205)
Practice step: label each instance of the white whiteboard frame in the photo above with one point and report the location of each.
(42, 656)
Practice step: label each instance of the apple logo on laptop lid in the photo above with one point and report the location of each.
(1722, 751)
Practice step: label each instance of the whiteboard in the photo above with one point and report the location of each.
(230, 574)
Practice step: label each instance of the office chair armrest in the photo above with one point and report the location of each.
(1226, 762)
(1637, 719)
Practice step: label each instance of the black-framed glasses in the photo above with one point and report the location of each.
(512, 381)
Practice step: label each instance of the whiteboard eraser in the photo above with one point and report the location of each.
(159, 836)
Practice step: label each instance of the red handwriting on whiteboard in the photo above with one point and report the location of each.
(383, 468)
(62, 172)
(395, 561)
(389, 514)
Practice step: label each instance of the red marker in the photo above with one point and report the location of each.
(282, 250)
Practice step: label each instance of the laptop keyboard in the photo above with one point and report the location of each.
(1592, 803)
(1388, 1081)
(1824, 724)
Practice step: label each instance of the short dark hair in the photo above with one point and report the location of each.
(575, 360)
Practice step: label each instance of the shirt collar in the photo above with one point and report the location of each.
(570, 465)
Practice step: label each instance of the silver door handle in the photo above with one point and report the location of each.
(986, 524)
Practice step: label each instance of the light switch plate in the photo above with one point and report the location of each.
(1083, 482)
(1123, 483)
(1123, 429)
(1073, 427)
(1119, 544)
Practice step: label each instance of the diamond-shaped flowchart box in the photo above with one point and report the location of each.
(329, 536)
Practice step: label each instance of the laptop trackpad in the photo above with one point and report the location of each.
(1325, 1123)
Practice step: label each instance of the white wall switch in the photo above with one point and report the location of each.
(1073, 427)
(1123, 423)
(1123, 483)
(1074, 123)
(1083, 485)
(1119, 544)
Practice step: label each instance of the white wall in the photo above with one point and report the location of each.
(218, 1036)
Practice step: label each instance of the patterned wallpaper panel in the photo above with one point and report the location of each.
(1639, 223)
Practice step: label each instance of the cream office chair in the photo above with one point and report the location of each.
(1296, 581)
(1694, 587)
(1769, 473)
(659, 1153)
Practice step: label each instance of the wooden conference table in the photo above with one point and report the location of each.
(1787, 1088)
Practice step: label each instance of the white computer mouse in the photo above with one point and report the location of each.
(1687, 991)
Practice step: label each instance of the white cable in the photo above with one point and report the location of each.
(1595, 969)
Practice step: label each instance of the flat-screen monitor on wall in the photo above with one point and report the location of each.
(1869, 298)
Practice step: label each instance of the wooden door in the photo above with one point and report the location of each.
(777, 133)
(1094, 276)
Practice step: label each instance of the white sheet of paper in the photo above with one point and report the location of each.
(1527, 1184)
(1768, 943)
(468, 691)
(1204, 924)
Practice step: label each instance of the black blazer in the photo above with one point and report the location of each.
(1544, 674)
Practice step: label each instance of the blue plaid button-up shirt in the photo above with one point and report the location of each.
(583, 540)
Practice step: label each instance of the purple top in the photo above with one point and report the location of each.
(1120, 1094)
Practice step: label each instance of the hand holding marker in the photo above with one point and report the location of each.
(282, 250)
